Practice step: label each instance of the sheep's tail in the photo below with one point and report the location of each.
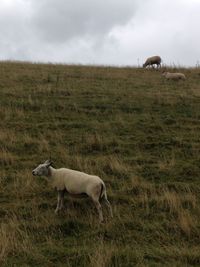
(103, 191)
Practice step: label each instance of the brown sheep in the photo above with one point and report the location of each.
(151, 61)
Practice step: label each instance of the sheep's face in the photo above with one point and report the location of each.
(42, 169)
(164, 73)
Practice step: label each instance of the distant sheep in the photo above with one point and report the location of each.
(74, 183)
(174, 76)
(151, 61)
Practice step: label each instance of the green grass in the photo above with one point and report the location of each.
(137, 131)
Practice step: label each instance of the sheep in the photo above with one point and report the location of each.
(74, 183)
(151, 61)
(174, 76)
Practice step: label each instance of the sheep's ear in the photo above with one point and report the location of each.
(48, 162)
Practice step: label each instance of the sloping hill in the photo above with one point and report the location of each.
(138, 132)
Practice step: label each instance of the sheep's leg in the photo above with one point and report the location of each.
(95, 196)
(99, 209)
(60, 200)
(107, 202)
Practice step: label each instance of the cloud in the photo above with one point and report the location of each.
(163, 28)
(14, 28)
(61, 20)
(120, 32)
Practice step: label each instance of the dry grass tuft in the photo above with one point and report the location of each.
(113, 165)
(14, 239)
(170, 200)
(167, 164)
(186, 221)
(94, 142)
(102, 255)
(6, 158)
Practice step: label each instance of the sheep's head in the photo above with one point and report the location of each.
(42, 169)
(164, 73)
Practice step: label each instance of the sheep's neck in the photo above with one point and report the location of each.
(50, 171)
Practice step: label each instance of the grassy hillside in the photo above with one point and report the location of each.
(138, 132)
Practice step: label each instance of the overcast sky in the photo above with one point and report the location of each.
(110, 32)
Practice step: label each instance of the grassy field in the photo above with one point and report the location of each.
(137, 131)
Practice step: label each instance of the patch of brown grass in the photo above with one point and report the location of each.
(6, 157)
(102, 255)
(185, 221)
(14, 239)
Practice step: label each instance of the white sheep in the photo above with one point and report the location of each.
(151, 61)
(74, 183)
(174, 76)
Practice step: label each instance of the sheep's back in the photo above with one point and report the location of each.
(175, 76)
(76, 182)
(154, 59)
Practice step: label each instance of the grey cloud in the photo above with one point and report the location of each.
(120, 32)
(59, 21)
(15, 33)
